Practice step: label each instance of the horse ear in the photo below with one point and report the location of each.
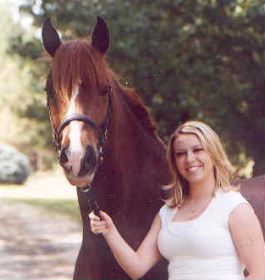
(50, 37)
(100, 36)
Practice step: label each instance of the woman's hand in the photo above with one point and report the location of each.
(135, 264)
(103, 225)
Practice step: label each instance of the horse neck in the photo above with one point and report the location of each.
(133, 169)
(132, 149)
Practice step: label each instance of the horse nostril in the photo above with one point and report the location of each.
(89, 161)
(63, 157)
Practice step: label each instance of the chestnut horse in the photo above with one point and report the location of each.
(107, 140)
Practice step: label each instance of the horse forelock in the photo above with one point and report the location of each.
(77, 62)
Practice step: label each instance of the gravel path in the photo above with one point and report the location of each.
(36, 245)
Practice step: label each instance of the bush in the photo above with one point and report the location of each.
(14, 166)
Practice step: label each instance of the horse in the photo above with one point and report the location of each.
(253, 190)
(108, 142)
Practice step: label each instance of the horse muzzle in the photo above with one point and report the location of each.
(79, 167)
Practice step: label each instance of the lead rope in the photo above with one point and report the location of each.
(92, 203)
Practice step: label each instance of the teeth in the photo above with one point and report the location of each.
(193, 168)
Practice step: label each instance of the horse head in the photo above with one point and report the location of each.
(79, 100)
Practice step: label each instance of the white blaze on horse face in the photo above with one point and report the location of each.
(75, 151)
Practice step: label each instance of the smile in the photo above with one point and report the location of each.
(193, 169)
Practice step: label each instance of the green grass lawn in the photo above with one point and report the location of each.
(34, 192)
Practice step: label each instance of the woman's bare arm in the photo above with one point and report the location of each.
(248, 239)
(134, 263)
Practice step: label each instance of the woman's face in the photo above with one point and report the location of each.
(192, 161)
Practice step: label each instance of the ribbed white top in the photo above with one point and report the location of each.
(202, 248)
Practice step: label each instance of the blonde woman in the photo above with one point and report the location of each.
(206, 229)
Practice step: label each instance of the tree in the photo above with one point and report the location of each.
(20, 108)
(13, 84)
(188, 59)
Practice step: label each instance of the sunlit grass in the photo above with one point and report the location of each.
(67, 207)
(11, 186)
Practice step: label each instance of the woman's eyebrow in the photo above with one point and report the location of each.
(184, 149)
(197, 146)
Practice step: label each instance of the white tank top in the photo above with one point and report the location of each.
(202, 248)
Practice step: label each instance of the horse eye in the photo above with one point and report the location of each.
(106, 90)
(82, 85)
(49, 87)
(50, 95)
(49, 92)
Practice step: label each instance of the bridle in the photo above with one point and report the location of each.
(102, 129)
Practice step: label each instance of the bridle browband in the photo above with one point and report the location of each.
(101, 129)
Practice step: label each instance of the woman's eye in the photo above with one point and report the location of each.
(197, 150)
(179, 154)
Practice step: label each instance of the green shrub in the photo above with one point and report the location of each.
(14, 166)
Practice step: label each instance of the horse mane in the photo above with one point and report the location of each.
(78, 61)
(136, 104)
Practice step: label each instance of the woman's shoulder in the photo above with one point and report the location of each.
(229, 194)
(227, 200)
(166, 211)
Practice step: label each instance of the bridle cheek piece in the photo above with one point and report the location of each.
(101, 129)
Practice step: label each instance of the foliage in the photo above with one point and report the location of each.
(188, 59)
(14, 166)
(17, 93)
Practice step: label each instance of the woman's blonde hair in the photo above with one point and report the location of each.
(178, 189)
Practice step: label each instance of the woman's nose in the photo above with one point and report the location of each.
(190, 156)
